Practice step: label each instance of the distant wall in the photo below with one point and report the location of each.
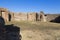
(30, 16)
(34, 17)
(20, 17)
(25, 17)
(11, 16)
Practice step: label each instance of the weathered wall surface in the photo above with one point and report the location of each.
(25, 17)
(11, 16)
(42, 17)
(31, 16)
(4, 13)
(34, 17)
(20, 17)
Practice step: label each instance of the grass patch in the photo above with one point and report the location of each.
(35, 25)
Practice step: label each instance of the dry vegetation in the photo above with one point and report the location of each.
(38, 30)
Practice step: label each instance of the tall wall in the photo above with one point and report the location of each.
(42, 17)
(25, 17)
(11, 16)
(4, 13)
(32, 16)
(20, 17)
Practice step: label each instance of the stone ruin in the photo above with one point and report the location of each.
(4, 13)
(9, 16)
(29, 16)
(42, 17)
(20, 17)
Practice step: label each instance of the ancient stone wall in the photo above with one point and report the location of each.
(25, 17)
(4, 13)
(32, 16)
(20, 17)
(42, 17)
(11, 16)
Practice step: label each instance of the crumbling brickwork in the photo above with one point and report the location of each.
(20, 17)
(4, 13)
(42, 17)
(30, 16)
(11, 16)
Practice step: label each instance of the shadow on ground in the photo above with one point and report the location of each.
(12, 32)
(56, 20)
(9, 32)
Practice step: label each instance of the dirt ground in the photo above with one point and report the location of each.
(38, 30)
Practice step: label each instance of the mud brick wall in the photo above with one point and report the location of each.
(32, 16)
(11, 16)
(4, 13)
(29, 16)
(20, 17)
(5, 16)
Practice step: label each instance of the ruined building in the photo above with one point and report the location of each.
(31, 16)
(4, 13)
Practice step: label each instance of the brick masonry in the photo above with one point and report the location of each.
(29, 16)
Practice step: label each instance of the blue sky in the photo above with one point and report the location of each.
(48, 6)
